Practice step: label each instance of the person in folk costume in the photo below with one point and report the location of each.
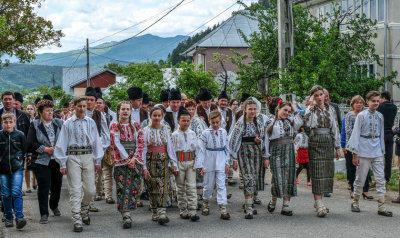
(147, 121)
(301, 146)
(77, 146)
(213, 160)
(92, 95)
(174, 102)
(205, 106)
(185, 144)
(280, 155)
(226, 112)
(323, 145)
(19, 101)
(245, 143)
(145, 101)
(197, 125)
(368, 147)
(164, 97)
(136, 98)
(160, 159)
(127, 145)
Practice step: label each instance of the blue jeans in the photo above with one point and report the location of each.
(11, 192)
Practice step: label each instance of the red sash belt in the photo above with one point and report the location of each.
(184, 156)
(157, 148)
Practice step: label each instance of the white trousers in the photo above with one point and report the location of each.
(210, 180)
(80, 185)
(186, 186)
(377, 166)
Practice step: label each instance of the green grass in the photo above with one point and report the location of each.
(392, 185)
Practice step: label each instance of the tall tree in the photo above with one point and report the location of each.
(22, 31)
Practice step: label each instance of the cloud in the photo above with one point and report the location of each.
(95, 19)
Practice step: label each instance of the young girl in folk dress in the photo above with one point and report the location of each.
(246, 150)
(301, 146)
(279, 152)
(160, 159)
(127, 152)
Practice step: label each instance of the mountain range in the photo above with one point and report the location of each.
(39, 72)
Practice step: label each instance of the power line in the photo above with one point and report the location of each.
(124, 61)
(136, 24)
(123, 41)
(61, 57)
(219, 14)
(75, 61)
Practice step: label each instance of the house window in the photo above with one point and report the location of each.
(357, 7)
(365, 8)
(373, 9)
(350, 5)
(381, 10)
(344, 6)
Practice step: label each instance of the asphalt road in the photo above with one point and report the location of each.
(340, 222)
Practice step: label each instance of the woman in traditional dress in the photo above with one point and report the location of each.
(280, 154)
(160, 160)
(324, 140)
(245, 143)
(126, 143)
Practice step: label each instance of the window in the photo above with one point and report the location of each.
(344, 6)
(327, 9)
(350, 5)
(357, 7)
(373, 9)
(365, 8)
(381, 10)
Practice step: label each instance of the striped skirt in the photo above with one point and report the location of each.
(159, 183)
(283, 169)
(128, 186)
(249, 158)
(321, 154)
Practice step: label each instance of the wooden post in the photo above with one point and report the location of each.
(87, 63)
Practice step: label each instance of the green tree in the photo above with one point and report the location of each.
(147, 76)
(57, 93)
(22, 31)
(190, 80)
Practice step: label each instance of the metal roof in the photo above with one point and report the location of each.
(75, 76)
(227, 34)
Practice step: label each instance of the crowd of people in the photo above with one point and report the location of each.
(185, 149)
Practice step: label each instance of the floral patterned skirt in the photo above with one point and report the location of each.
(128, 185)
(283, 169)
(249, 159)
(159, 183)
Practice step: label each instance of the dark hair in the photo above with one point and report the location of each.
(79, 99)
(372, 94)
(232, 101)
(273, 104)
(281, 105)
(386, 95)
(57, 111)
(66, 105)
(155, 109)
(42, 104)
(315, 89)
(108, 104)
(7, 93)
(249, 101)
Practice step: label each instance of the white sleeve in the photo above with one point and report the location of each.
(354, 141)
(105, 133)
(297, 141)
(201, 150)
(97, 146)
(170, 149)
(228, 153)
(145, 135)
(266, 145)
(297, 121)
(60, 151)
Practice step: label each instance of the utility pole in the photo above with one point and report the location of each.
(87, 63)
(54, 81)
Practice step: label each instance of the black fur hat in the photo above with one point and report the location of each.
(182, 111)
(19, 97)
(223, 95)
(47, 97)
(37, 100)
(99, 93)
(197, 99)
(204, 94)
(135, 93)
(174, 94)
(90, 91)
(245, 96)
(164, 95)
(146, 98)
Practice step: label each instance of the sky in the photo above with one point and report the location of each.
(95, 19)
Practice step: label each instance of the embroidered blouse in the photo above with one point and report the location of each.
(159, 137)
(126, 134)
(185, 141)
(282, 128)
(323, 118)
(349, 124)
(301, 141)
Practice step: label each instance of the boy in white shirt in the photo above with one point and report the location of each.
(185, 144)
(368, 147)
(213, 160)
